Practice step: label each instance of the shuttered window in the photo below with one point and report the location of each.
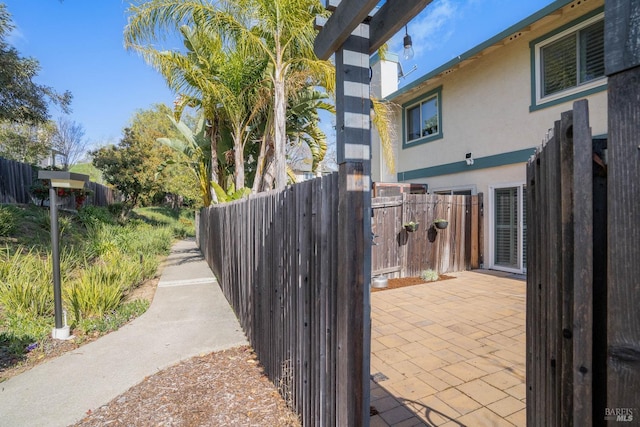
(575, 59)
(506, 227)
(592, 52)
(510, 228)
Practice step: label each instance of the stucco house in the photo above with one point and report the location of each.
(470, 125)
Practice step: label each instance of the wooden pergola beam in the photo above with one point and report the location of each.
(387, 21)
(347, 16)
(391, 17)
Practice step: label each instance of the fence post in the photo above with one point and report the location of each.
(622, 66)
(403, 250)
(580, 372)
(354, 224)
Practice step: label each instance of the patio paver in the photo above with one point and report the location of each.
(453, 352)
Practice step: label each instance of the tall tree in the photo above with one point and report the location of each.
(21, 99)
(137, 165)
(279, 32)
(69, 141)
(25, 142)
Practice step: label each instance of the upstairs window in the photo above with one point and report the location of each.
(570, 63)
(573, 60)
(422, 119)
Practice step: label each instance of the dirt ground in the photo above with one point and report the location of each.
(226, 388)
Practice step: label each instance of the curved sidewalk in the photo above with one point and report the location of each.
(189, 316)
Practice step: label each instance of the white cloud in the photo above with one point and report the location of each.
(16, 36)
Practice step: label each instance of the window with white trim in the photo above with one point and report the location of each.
(571, 61)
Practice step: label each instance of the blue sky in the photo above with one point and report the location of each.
(79, 46)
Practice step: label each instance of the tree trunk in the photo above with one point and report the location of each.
(269, 173)
(280, 136)
(213, 137)
(257, 180)
(238, 157)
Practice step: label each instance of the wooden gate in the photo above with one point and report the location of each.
(583, 322)
(398, 253)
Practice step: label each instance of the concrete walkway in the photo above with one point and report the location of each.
(450, 353)
(189, 316)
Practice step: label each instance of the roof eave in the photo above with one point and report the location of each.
(498, 38)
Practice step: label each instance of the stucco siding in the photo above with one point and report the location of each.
(485, 107)
(486, 111)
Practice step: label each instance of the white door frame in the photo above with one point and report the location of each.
(492, 213)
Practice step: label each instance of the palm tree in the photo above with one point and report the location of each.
(302, 123)
(278, 32)
(284, 33)
(194, 147)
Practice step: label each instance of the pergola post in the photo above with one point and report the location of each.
(353, 130)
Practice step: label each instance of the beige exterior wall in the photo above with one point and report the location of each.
(384, 81)
(485, 111)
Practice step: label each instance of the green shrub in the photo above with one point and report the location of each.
(102, 258)
(94, 293)
(150, 266)
(102, 239)
(429, 275)
(117, 209)
(5, 263)
(120, 267)
(9, 217)
(25, 289)
(21, 331)
(156, 241)
(43, 219)
(93, 215)
(113, 320)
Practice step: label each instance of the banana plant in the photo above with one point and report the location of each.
(195, 147)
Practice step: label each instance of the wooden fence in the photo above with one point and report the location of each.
(566, 276)
(398, 253)
(583, 322)
(101, 195)
(16, 179)
(275, 256)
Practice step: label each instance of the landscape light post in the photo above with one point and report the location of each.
(59, 179)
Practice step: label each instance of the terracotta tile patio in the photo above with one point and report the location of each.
(450, 353)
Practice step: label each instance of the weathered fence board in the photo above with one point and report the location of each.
(15, 180)
(101, 195)
(398, 253)
(563, 193)
(275, 258)
(599, 329)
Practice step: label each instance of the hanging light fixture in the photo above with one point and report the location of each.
(408, 45)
